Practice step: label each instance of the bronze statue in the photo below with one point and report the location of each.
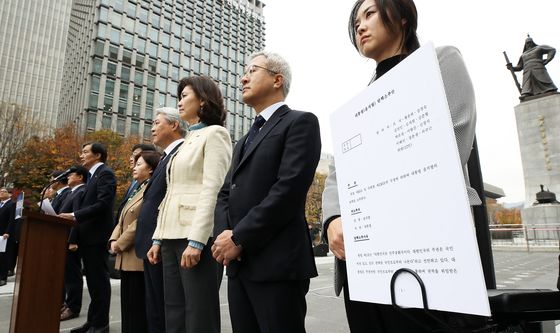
(536, 80)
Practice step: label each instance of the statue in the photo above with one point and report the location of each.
(536, 80)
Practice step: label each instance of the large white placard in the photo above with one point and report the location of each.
(402, 193)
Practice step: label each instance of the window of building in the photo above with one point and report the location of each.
(153, 34)
(174, 58)
(187, 35)
(128, 40)
(113, 52)
(149, 113)
(164, 54)
(106, 122)
(92, 103)
(149, 101)
(139, 77)
(97, 65)
(122, 107)
(111, 69)
(99, 47)
(120, 125)
(205, 70)
(140, 44)
(95, 84)
(166, 24)
(151, 81)
(123, 92)
(175, 73)
(136, 110)
(162, 84)
(115, 36)
(147, 131)
(152, 49)
(176, 28)
(108, 104)
(142, 29)
(116, 19)
(131, 9)
(186, 48)
(128, 24)
(143, 14)
(164, 39)
(119, 5)
(101, 30)
(161, 99)
(137, 97)
(163, 70)
(91, 119)
(134, 126)
(103, 14)
(127, 57)
(152, 65)
(155, 20)
(109, 87)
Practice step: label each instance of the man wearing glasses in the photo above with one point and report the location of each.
(260, 223)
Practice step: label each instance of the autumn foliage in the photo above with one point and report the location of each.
(31, 168)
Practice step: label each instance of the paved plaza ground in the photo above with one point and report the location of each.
(514, 269)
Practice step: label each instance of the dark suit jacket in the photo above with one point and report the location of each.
(7, 216)
(153, 195)
(263, 199)
(72, 202)
(95, 216)
(59, 199)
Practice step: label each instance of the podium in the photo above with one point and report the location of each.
(40, 273)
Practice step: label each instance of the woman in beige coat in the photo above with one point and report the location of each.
(133, 308)
(185, 223)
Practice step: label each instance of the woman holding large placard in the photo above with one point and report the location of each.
(385, 31)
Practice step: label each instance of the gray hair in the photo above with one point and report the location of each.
(275, 63)
(171, 115)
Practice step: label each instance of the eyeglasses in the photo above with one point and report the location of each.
(252, 68)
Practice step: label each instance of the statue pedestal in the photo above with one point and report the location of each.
(542, 221)
(538, 129)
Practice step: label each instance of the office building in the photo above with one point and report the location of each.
(126, 57)
(33, 38)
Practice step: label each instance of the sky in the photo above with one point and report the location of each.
(327, 71)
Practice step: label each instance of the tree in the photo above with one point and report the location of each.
(16, 128)
(33, 164)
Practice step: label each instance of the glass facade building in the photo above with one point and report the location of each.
(33, 38)
(125, 58)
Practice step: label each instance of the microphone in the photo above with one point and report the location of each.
(64, 174)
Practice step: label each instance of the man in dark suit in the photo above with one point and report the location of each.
(73, 281)
(7, 218)
(61, 188)
(262, 234)
(167, 133)
(95, 223)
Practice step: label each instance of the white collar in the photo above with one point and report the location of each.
(62, 189)
(172, 146)
(77, 187)
(269, 111)
(94, 168)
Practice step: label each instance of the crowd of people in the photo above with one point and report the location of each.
(195, 205)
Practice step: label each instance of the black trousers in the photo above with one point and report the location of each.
(192, 300)
(153, 282)
(133, 302)
(95, 258)
(6, 258)
(73, 281)
(267, 307)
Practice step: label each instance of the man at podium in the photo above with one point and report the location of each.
(95, 223)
